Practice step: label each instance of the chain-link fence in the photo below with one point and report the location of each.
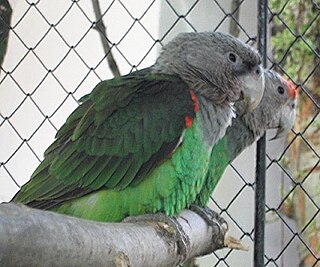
(58, 51)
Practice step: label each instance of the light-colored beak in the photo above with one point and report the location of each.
(285, 120)
(252, 93)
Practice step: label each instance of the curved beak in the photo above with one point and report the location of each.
(285, 119)
(253, 88)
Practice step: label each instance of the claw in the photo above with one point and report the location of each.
(214, 220)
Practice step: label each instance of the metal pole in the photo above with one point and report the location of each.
(261, 150)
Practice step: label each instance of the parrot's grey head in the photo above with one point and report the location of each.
(284, 119)
(276, 109)
(216, 65)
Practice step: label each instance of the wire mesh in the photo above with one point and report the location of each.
(58, 52)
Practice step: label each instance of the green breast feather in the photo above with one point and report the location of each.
(219, 161)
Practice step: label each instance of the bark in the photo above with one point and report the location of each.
(30, 237)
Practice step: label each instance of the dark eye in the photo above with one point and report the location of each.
(258, 71)
(281, 90)
(232, 57)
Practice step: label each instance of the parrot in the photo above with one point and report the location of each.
(141, 143)
(276, 110)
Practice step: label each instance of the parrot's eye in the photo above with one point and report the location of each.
(281, 90)
(232, 57)
(258, 71)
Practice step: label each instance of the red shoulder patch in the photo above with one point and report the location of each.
(188, 121)
(194, 101)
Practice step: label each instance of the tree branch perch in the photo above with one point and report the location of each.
(30, 237)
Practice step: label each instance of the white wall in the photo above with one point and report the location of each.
(71, 73)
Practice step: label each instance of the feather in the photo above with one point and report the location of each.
(129, 175)
(106, 174)
(119, 172)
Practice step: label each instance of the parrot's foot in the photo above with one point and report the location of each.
(214, 220)
(167, 226)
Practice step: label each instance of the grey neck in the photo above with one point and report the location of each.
(247, 128)
(214, 119)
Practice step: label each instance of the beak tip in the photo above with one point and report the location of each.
(281, 132)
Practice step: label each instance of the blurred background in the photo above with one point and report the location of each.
(54, 52)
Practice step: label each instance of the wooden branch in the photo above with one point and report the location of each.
(30, 237)
(101, 28)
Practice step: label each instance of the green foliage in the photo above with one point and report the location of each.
(295, 41)
(295, 31)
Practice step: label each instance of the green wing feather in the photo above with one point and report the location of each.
(121, 130)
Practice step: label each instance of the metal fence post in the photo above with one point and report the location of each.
(261, 150)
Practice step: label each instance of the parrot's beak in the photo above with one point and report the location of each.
(253, 88)
(285, 119)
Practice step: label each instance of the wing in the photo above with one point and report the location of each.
(122, 130)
